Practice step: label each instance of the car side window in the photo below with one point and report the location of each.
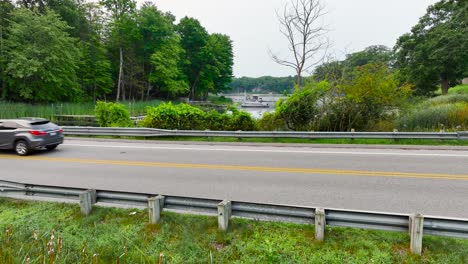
(7, 126)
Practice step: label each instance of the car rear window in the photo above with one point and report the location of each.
(42, 122)
(42, 125)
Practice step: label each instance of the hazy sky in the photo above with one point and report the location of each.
(254, 28)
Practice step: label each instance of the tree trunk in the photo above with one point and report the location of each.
(119, 82)
(445, 86)
(299, 80)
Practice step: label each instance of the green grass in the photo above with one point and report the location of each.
(448, 112)
(123, 234)
(303, 141)
(459, 89)
(15, 110)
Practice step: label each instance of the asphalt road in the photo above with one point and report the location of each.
(428, 181)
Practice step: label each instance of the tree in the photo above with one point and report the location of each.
(95, 67)
(435, 51)
(167, 75)
(194, 38)
(6, 7)
(376, 54)
(156, 31)
(335, 71)
(121, 11)
(219, 59)
(41, 58)
(301, 24)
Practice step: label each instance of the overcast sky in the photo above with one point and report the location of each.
(254, 28)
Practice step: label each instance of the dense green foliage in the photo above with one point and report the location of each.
(208, 58)
(435, 52)
(263, 84)
(358, 102)
(72, 50)
(41, 58)
(112, 235)
(333, 71)
(186, 117)
(448, 112)
(112, 115)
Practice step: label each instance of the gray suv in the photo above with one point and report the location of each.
(27, 134)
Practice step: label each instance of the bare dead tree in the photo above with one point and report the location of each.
(301, 24)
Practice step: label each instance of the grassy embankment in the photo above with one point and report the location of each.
(112, 235)
(15, 110)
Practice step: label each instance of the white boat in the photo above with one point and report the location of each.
(254, 104)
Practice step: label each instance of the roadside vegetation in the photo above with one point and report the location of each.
(39, 232)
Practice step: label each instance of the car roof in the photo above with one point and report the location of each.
(28, 119)
(25, 120)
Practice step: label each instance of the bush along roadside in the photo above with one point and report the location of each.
(112, 115)
(187, 117)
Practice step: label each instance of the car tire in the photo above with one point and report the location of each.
(22, 148)
(51, 147)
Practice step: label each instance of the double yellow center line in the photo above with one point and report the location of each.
(245, 168)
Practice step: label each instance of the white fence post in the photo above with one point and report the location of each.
(155, 207)
(320, 224)
(87, 199)
(224, 213)
(416, 225)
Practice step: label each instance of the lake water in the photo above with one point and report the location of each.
(269, 99)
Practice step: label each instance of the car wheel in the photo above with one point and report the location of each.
(22, 148)
(51, 147)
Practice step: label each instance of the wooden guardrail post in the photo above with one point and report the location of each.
(155, 207)
(224, 214)
(320, 224)
(416, 225)
(87, 199)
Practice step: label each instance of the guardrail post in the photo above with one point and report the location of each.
(320, 224)
(155, 206)
(224, 213)
(87, 199)
(416, 224)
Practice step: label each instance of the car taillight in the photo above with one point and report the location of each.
(60, 130)
(37, 133)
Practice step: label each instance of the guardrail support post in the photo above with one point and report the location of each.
(87, 199)
(416, 224)
(224, 214)
(320, 224)
(155, 206)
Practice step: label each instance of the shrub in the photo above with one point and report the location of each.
(169, 116)
(112, 115)
(186, 117)
(270, 122)
(242, 121)
(216, 121)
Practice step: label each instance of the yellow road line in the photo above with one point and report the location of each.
(245, 168)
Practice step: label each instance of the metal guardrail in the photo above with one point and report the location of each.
(440, 226)
(150, 132)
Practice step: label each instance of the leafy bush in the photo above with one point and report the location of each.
(271, 122)
(216, 121)
(369, 96)
(186, 117)
(169, 116)
(242, 121)
(112, 115)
